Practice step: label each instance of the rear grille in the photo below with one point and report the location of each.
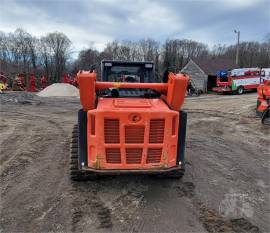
(154, 155)
(156, 133)
(111, 131)
(133, 155)
(134, 134)
(113, 155)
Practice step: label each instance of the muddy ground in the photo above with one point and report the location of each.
(225, 188)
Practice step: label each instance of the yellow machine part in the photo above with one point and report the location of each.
(2, 86)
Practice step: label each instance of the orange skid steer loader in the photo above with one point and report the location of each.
(129, 126)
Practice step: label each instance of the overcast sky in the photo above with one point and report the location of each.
(96, 22)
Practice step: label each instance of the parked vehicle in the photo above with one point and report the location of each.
(239, 80)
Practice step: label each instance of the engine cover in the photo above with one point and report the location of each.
(132, 133)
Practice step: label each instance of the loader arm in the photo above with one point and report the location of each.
(174, 91)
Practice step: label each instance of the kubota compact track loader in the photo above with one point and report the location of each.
(128, 124)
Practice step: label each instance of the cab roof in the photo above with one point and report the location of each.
(119, 62)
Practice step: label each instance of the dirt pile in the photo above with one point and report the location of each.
(20, 98)
(59, 90)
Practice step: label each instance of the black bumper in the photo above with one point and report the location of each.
(172, 170)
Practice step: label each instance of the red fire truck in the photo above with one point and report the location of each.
(239, 80)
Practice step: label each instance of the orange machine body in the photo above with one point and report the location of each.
(132, 133)
(174, 91)
(263, 97)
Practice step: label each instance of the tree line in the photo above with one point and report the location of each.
(20, 52)
(51, 55)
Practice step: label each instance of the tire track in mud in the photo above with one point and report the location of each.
(108, 204)
(227, 158)
(222, 133)
(30, 143)
(212, 221)
(126, 207)
(217, 113)
(133, 208)
(246, 125)
(88, 209)
(185, 189)
(161, 210)
(38, 164)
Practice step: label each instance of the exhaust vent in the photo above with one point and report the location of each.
(134, 155)
(113, 155)
(134, 134)
(154, 155)
(156, 133)
(111, 131)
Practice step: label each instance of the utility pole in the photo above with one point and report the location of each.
(237, 47)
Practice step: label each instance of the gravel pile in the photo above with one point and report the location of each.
(59, 90)
(19, 97)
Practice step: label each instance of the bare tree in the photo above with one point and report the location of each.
(177, 52)
(20, 52)
(57, 51)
